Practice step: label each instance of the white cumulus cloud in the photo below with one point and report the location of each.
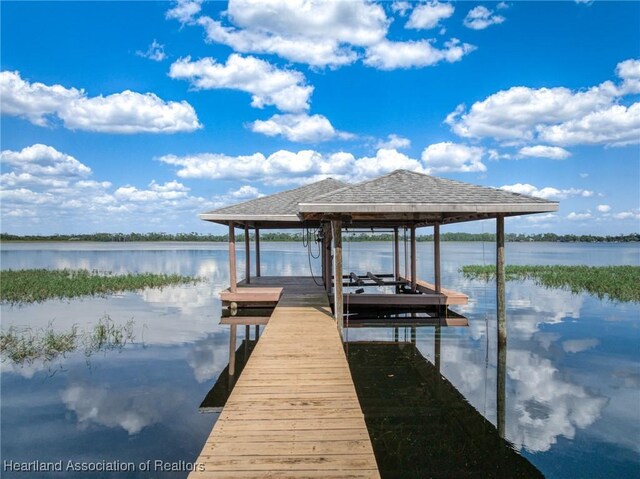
(43, 160)
(557, 116)
(603, 208)
(390, 55)
(323, 33)
(429, 15)
(449, 157)
(246, 192)
(548, 192)
(185, 10)
(617, 125)
(629, 72)
(626, 215)
(318, 33)
(481, 17)
(125, 112)
(299, 127)
(44, 190)
(268, 85)
(287, 167)
(544, 151)
(155, 52)
(394, 141)
(573, 216)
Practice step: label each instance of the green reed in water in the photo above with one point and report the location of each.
(27, 345)
(618, 283)
(36, 285)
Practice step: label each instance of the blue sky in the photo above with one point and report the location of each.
(136, 116)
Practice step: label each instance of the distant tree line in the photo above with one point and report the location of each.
(297, 236)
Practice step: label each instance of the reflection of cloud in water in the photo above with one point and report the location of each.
(28, 369)
(547, 339)
(579, 345)
(208, 357)
(528, 306)
(186, 298)
(543, 406)
(540, 405)
(131, 409)
(552, 305)
(173, 315)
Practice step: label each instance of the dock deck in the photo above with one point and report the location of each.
(294, 411)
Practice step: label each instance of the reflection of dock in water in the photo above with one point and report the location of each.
(420, 424)
(217, 396)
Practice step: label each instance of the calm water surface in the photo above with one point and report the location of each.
(573, 361)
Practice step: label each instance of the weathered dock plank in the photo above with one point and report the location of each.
(294, 411)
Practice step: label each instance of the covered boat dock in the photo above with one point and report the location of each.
(401, 201)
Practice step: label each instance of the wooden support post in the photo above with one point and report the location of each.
(257, 240)
(328, 263)
(502, 325)
(232, 258)
(396, 254)
(323, 257)
(336, 226)
(436, 256)
(414, 277)
(406, 253)
(247, 255)
(257, 332)
(232, 350)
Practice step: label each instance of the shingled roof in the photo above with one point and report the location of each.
(401, 197)
(404, 194)
(279, 209)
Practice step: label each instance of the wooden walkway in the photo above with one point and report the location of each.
(294, 411)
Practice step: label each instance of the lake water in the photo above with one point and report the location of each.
(572, 371)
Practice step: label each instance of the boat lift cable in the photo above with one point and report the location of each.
(306, 242)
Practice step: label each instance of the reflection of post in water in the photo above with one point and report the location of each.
(232, 350)
(247, 317)
(217, 397)
(502, 326)
(437, 332)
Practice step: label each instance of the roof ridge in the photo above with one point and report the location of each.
(362, 183)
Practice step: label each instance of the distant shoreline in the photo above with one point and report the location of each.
(297, 237)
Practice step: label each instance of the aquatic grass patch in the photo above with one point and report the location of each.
(36, 285)
(26, 345)
(618, 283)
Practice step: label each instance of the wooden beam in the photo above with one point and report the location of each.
(406, 253)
(336, 226)
(396, 254)
(247, 255)
(232, 258)
(502, 325)
(245, 320)
(413, 259)
(257, 240)
(328, 263)
(436, 256)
